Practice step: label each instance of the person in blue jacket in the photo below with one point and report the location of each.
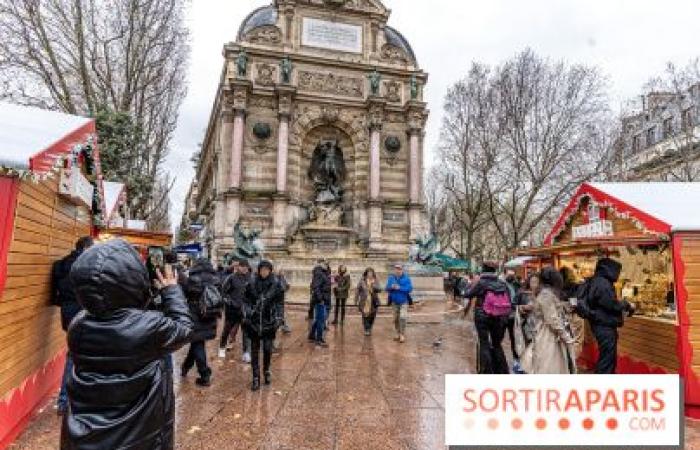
(399, 287)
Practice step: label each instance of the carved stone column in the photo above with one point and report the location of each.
(375, 106)
(416, 121)
(285, 95)
(239, 97)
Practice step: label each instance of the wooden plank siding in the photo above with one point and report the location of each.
(651, 341)
(45, 229)
(690, 252)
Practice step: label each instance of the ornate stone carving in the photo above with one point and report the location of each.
(267, 75)
(331, 83)
(392, 91)
(392, 147)
(394, 117)
(394, 54)
(353, 5)
(263, 102)
(376, 116)
(330, 114)
(267, 34)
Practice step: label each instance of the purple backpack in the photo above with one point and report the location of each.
(497, 304)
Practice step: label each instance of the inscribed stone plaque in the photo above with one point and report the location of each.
(343, 37)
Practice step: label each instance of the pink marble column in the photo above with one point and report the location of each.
(414, 168)
(374, 164)
(237, 150)
(282, 154)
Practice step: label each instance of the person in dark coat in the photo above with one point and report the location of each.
(342, 292)
(233, 290)
(608, 313)
(321, 301)
(490, 329)
(264, 303)
(120, 394)
(63, 295)
(201, 275)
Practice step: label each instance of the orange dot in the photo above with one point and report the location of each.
(588, 424)
(564, 424)
(611, 424)
(493, 424)
(541, 424)
(517, 424)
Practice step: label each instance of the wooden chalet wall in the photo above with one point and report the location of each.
(45, 229)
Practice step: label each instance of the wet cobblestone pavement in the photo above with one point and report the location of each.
(360, 393)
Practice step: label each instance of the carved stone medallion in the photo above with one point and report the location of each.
(393, 91)
(267, 75)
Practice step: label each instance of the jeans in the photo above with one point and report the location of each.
(400, 318)
(491, 331)
(607, 348)
(340, 308)
(267, 354)
(62, 402)
(197, 354)
(245, 341)
(319, 324)
(368, 321)
(511, 337)
(229, 327)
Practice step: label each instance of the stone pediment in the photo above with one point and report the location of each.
(364, 6)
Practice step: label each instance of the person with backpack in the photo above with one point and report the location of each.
(63, 296)
(597, 302)
(121, 391)
(399, 286)
(204, 300)
(264, 312)
(233, 292)
(493, 307)
(551, 348)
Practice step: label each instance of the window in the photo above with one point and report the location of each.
(668, 127)
(637, 143)
(651, 136)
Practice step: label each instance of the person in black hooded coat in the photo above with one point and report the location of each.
(608, 313)
(491, 330)
(201, 275)
(121, 393)
(264, 313)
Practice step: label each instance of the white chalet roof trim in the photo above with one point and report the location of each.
(676, 204)
(26, 131)
(112, 191)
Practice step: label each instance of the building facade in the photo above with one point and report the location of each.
(662, 141)
(316, 135)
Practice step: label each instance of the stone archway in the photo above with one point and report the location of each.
(312, 123)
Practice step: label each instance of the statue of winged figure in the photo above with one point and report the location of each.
(247, 244)
(327, 171)
(425, 249)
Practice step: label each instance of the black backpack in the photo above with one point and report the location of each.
(210, 302)
(583, 303)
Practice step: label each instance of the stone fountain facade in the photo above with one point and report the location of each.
(316, 139)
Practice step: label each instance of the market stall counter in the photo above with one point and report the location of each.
(652, 229)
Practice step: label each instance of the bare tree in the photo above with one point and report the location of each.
(94, 56)
(551, 133)
(517, 140)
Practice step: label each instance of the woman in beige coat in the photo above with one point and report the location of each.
(551, 349)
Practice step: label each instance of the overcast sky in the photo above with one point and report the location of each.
(630, 40)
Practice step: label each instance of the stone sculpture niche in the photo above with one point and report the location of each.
(327, 172)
